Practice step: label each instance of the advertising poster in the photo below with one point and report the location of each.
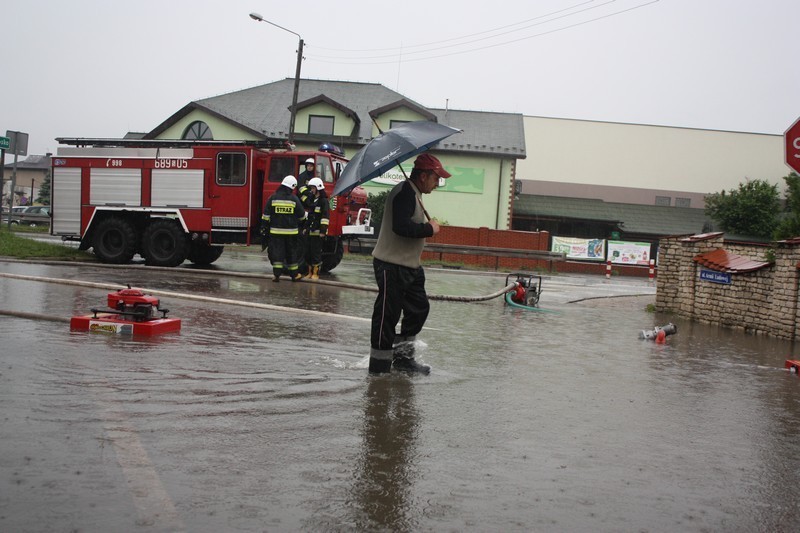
(591, 249)
(629, 253)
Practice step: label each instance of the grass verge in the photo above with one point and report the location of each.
(13, 245)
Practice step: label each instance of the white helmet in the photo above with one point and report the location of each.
(317, 183)
(310, 161)
(289, 181)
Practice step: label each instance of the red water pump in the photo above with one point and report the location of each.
(130, 311)
(135, 304)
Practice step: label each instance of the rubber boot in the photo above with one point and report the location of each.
(410, 365)
(315, 272)
(379, 366)
(276, 276)
(380, 361)
(404, 348)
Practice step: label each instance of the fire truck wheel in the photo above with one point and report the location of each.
(204, 254)
(114, 241)
(164, 243)
(332, 253)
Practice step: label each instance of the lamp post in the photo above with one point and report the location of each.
(259, 18)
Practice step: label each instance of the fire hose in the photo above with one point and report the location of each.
(210, 299)
(340, 284)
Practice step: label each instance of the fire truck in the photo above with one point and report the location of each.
(170, 201)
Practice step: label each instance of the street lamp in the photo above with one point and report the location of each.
(259, 18)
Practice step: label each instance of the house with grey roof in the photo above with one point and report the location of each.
(31, 174)
(482, 158)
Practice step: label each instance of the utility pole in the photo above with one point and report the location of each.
(259, 18)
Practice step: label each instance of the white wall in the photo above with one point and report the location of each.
(648, 157)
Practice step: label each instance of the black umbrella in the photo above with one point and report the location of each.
(389, 149)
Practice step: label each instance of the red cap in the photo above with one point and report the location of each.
(428, 162)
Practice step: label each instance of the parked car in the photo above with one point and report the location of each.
(34, 215)
(16, 210)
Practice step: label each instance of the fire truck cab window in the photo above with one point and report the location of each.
(325, 170)
(231, 169)
(280, 167)
(337, 169)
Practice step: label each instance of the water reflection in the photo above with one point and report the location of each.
(382, 490)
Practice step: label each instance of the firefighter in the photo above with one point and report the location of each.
(307, 174)
(283, 216)
(304, 193)
(317, 225)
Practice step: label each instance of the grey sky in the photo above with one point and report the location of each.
(92, 68)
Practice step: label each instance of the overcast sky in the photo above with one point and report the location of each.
(92, 68)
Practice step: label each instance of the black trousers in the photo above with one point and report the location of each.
(282, 254)
(314, 250)
(401, 291)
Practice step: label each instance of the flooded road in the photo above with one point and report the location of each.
(255, 420)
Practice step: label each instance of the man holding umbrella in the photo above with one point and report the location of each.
(400, 277)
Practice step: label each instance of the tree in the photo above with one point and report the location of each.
(44, 191)
(789, 226)
(751, 210)
(376, 202)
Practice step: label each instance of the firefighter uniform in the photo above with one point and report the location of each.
(306, 198)
(318, 221)
(282, 219)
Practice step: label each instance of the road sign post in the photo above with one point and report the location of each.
(5, 142)
(791, 141)
(18, 145)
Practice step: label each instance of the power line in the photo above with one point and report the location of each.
(394, 58)
(400, 48)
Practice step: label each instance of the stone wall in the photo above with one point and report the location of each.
(761, 302)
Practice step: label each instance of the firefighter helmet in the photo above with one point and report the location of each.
(316, 183)
(289, 181)
(310, 161)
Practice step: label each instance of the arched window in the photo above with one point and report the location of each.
(198, 130)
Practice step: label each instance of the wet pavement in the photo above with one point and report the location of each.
(266, 420)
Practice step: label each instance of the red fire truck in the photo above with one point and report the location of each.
(175, 200)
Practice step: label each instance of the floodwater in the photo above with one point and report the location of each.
(264, 420)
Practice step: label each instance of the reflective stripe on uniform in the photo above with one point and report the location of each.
(283, 231)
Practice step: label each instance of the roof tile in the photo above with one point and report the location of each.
(723, 261)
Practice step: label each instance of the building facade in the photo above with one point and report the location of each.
(637, 182)
(569, 177)
(482, 158)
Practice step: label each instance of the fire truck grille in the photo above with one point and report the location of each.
(228, 222)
